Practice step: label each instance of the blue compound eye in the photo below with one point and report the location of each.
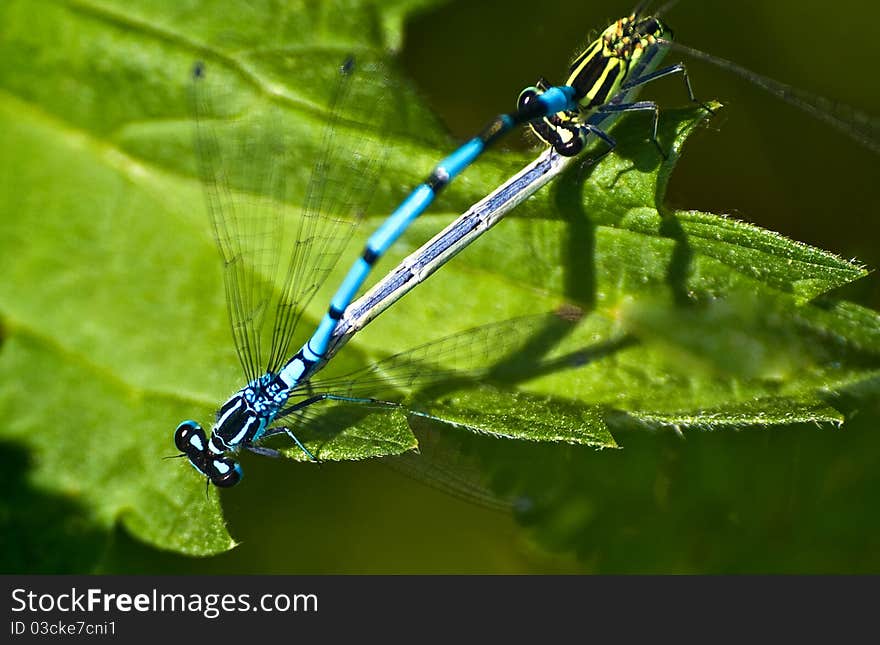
(224, 472)
(190, 439)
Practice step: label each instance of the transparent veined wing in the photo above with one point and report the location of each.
(499, 355)
(861, 127)
(275, 259)
(506, 352)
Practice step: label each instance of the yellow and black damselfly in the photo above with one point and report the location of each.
(625, 57)
(606, 76)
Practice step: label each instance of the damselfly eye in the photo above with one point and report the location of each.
(190, 438)
(649, 26)
(224, 472)
(527, 96)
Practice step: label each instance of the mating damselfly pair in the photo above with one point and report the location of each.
(271, 275)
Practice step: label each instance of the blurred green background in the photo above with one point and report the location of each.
(795, 499)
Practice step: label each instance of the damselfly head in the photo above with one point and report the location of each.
(650, 27)
(632, 34)
(222, 471)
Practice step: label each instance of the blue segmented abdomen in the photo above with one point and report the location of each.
(382, 239)
(391, 228)
(550, 101)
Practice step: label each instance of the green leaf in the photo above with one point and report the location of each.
(112, 301)
(94, 453)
